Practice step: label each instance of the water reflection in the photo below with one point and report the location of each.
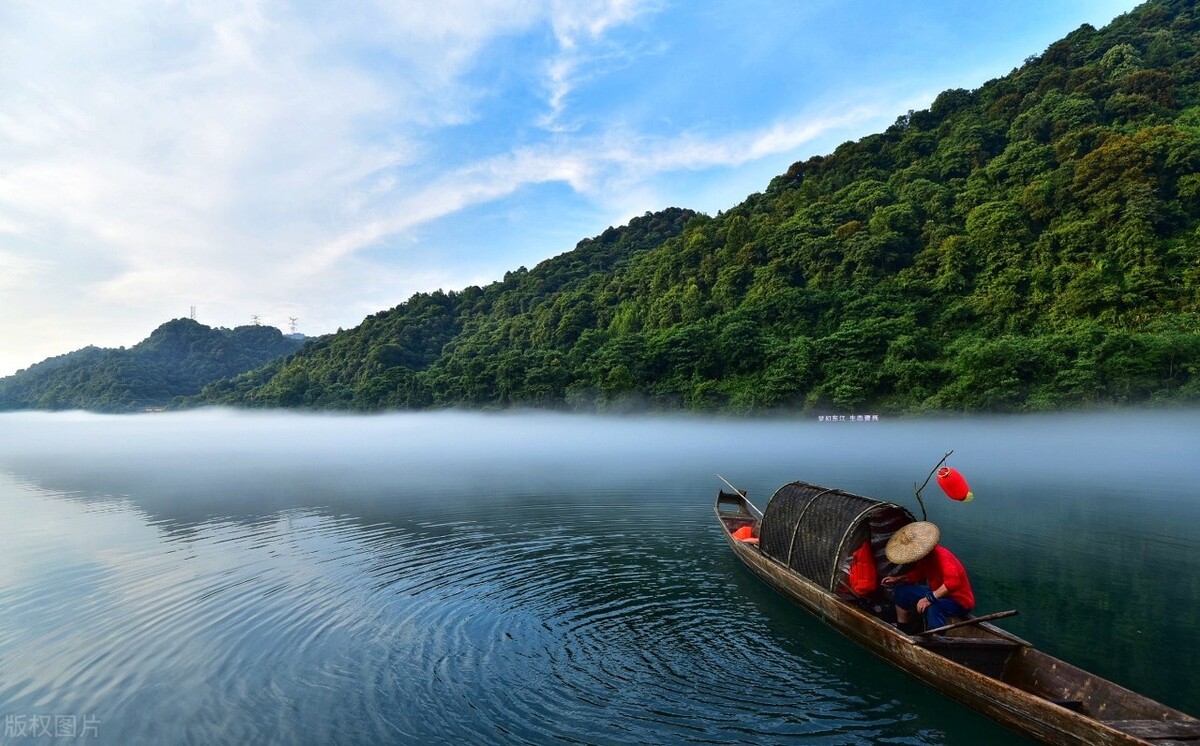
(234, 577)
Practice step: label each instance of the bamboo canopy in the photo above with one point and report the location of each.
(812, 529)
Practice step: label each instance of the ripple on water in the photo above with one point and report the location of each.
(601, 622)
(562, 634)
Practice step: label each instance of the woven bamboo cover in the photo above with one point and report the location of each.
(810, 528)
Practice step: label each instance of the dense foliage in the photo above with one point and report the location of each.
(390, 359)
(177, 359)
(1027, 245)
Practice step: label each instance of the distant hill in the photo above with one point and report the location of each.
(1031, 244)
(177, 359)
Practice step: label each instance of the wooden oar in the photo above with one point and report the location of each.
(965, 622)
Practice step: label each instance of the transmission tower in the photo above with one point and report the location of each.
(292, 323)
(254, 319)
(193, 314)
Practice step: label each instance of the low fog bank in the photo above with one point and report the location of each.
(277, 459)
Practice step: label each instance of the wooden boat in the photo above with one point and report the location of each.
(800, 545)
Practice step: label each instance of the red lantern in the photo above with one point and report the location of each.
(953, 484)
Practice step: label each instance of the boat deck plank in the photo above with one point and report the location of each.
(1179, 730)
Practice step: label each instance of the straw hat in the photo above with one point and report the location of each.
(912, 542)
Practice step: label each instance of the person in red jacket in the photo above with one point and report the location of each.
(936, 585)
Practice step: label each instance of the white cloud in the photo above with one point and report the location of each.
(18, 271)
(188, 154)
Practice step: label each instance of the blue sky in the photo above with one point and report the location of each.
(298, 159)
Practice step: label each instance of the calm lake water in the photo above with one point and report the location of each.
(219, 577)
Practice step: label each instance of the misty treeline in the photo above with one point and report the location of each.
(1032, 244)
(177, 359)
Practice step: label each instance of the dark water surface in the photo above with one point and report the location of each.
(215, 577)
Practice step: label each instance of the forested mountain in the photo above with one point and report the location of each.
(1029, 244)
(177, 359)
(389, 359)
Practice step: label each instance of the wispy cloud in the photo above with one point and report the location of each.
(579, 30)
(603, 168)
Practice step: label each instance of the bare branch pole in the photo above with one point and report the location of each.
(917, 490)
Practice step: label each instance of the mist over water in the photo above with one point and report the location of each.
(221, 576)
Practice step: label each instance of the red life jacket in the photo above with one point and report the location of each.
(863, 577)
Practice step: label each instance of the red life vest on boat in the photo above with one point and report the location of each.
(863, 577)
(746, 534)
